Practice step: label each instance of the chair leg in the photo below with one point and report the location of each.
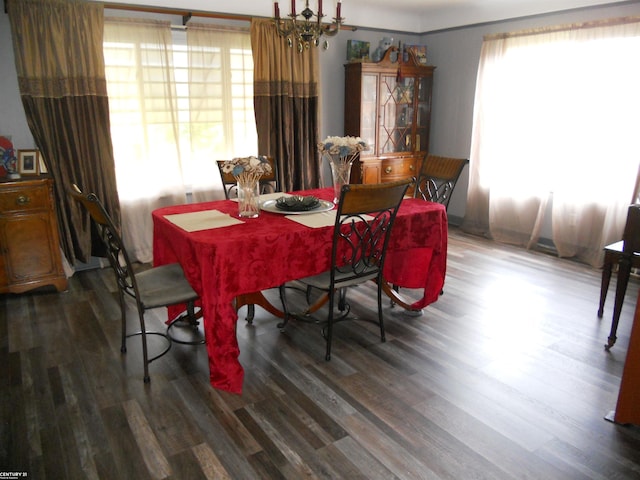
(189, 320)
(624, 271)
(308, 293)
(342, 299)
(383, 337)
(283, 299)
(604, 284)
(251, 313)
(395, 288)
(123, 322)
(145, 355)
(329, 335)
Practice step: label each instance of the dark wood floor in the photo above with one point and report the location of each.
(504, 377)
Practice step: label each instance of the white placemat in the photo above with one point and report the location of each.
(315, 220)
(203, 220)
(319, 220)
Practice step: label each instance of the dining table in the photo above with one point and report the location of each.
(230, 260)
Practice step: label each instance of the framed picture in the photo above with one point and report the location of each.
(357, 50)
(419, 53)
(42, 167)
(28, 162)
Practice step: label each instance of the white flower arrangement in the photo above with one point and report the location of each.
(344, 147)
(247, 169)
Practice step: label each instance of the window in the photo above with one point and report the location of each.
(176, 108)
(555, 123)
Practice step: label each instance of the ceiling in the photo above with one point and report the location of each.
(415, 16)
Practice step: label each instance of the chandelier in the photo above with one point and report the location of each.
(305, 31)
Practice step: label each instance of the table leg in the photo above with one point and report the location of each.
(258, 298)
(397, 298)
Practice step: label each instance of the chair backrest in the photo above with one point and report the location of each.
(438, 177)
(364, 218)
(268, 183)
(631, 235)
(110, 237)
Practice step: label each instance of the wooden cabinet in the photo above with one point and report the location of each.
(388, 105)
(29, 243)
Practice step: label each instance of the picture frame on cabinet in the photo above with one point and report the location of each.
(358, 51)
(42, 167)
(28, 162)
(419, 53)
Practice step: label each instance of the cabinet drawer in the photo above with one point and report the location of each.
(24, 198)
(397, 168)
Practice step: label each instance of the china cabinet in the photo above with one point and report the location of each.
(388, 105)
(29, 244)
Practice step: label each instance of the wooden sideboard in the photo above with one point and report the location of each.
(29, 242)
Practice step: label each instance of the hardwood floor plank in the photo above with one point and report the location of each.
(314, 417)
(228, 452)
(128, 460)
(148, 444)
(264, 467)
(53, 453)
(106, 465)
(389, 453)
(14, 452)
(79, 425)
(209, 463)
(185, 465)
(366, 462)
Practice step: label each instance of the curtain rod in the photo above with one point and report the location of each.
(185, 14)
(565, 27)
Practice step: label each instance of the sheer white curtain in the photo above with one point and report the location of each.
(144, 125)
(556, 120)
(222, 122)
(178, 101)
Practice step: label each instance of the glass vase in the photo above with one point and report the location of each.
(248, 198)
(340, 172)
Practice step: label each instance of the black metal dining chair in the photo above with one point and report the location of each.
(269, 183)
(364, 220)
(438, 177)
(436, 181)
(160, 286)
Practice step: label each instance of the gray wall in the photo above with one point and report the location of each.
(455, 53)
(12, 119)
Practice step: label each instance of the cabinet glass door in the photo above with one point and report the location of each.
(396, 114)
(424, 111)
(368, 119)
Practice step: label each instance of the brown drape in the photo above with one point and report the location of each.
(286, 106)
(60, 66)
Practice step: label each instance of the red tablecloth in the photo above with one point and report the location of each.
(270, 250)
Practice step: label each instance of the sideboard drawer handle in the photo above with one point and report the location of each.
(388, 170)
(23, 200)
(411, 167)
